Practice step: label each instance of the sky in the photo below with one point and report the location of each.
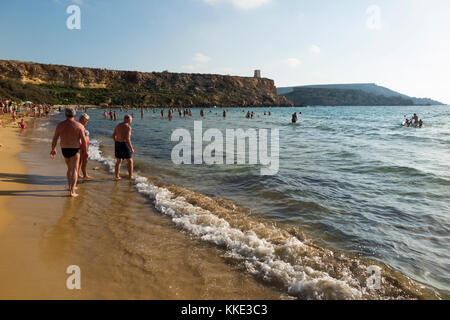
(401, 44)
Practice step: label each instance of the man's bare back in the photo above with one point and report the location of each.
(73, 139)
(71, 133)
(122, 132)
(122, 146)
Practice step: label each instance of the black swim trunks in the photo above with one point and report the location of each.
(122, 151)
(69, 152)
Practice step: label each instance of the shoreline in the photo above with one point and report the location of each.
(54, 239)
(123, 254)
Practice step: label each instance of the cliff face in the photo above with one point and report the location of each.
(82, 85)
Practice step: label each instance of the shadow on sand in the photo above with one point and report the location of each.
(31, 193)
(33, 179)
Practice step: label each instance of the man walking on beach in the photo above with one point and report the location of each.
(73, 138)
(123, 147)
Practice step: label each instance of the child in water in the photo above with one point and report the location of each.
(22, 124)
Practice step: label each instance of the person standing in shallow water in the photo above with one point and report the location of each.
(84, 119)
(123, 147)
(73, 139)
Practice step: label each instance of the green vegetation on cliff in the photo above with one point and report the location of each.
(19, 91)
(73, 85)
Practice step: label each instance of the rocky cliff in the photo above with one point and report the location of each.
(75, 85)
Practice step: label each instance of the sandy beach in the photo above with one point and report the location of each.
(9, 163)
(125, 249)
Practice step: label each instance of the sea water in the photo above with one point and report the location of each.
(354, 188)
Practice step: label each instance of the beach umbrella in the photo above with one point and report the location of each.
(28, 102)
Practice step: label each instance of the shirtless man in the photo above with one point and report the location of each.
(123, 147)
(73, 138)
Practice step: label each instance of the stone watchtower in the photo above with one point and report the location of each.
(258, 74)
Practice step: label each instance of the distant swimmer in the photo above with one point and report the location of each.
(73, 139)
(123, 146)
(202, 113)
(294, 118)
(420, 123)
(162, 113)
(224, 113)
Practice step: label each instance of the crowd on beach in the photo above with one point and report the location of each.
(21, 110)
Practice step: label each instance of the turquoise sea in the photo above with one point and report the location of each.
(351, 180)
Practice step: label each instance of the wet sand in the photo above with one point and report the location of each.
(125, 249)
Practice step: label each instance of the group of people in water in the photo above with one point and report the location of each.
(74, 137)
(413, 122)
(182, 112)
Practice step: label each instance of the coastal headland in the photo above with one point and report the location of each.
(56, 84)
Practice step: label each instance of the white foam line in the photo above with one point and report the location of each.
(259, 255)
(96, 154)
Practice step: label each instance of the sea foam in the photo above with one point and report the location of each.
(299, 268)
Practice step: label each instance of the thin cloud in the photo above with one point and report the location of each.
(315, 49)
(241, 4)
(292, 62)
(201, 58)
